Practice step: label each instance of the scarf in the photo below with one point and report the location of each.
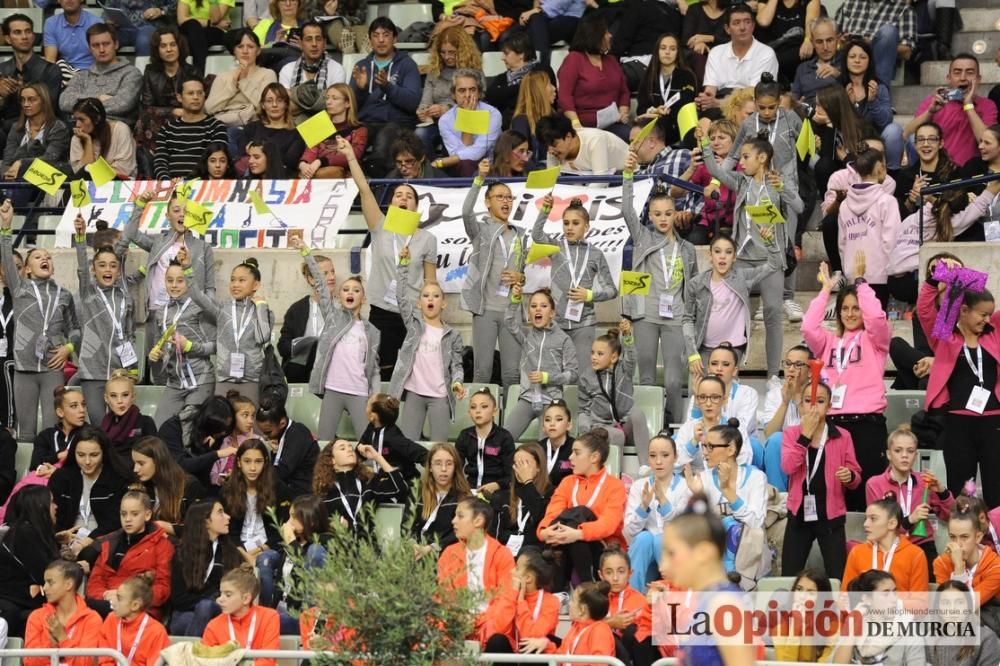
(318, 68)
(119, 428)
(514, 76)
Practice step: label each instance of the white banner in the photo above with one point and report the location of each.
(314, 209)
(441, 212)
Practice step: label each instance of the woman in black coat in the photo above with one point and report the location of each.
(518, 511)
(303, 324)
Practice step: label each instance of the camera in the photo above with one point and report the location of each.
(953, 94)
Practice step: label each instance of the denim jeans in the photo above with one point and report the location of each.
(895, 144)
(139, 36)
(193, 623)
(772, 463)
(267, 567)
(884, 46)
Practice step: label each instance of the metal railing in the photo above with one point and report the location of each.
(947, 187)
(55, 654)
(481, 658)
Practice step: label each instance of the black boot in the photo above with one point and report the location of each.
(947, 21)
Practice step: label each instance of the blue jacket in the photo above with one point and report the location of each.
(398, 101)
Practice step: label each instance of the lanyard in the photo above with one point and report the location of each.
(253, 629)
(434, 514)
(381, 440)
(819, 457)
(774, 128)
(972, 572)
(541, 350)
(49, 307)
(908, 504)
(842, 358)
(177, 316)
(211, 565)
(503, 247)
(480, 455)
(665, 86)
(281, 443)
(576, 641)
(110, 307)
(621, 601)
(4, 320)
(138, 637)
(347, 505)
(574, 278)
(888, 556)
(316, 318)
(551, 455)
(522, 517)
(238, 333)
(668, 270)
(538, 606)
(593, 497)
(978, 368)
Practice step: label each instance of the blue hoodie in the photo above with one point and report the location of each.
(398, 101)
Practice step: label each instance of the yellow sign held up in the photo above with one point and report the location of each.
(635, 284)
(44, 176)
(197, 217)
(687, 118)
(79, 192)
(539, 251)
(543, 179)
(259, 206)
(401, 221)
(184, 190)
(765, 213)
(101, 172)
(645, 132)
(317, 129)
(472, 122)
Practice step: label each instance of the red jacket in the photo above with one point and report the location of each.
(154, 639)
(528, 626)
(266, 636)
(154, 552)
(498, 618)
(609, 506)
(590, 637)
(986, 579)
(83, 630)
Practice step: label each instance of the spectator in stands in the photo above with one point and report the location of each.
(737, 64)
(410, 159)
(253, 12)
(636, 37)
(64, 621)
(518, 57)
(592, 84)
(161, 85)
(450, 50)
(933, 166)
(821, 70)
(433, 513)
(275, 127)
(204, 24)
(299, 449)
(304, 319)
(890, 553)
(215, 164)
(281, 36)
(466, 149)
(782, 410)
(349, 32)
(388, 88)
(657, 157)
(307, 78)
(96, 135)
(961, 114)
(704, 27)
(889, 26)
(183, 139)
(667, 75)
(324, 160)
(264, 160)
(23, 68)
(31, 545)
(197, 436)
(236, 94)
(64, 37)
(551, 21)
(171, 489)
(512, 156)
(37, 133)
(583, 151)
(840, 131)
(144, 17)
(967, 560)
(536, 99)
(115, 82)
(786, 26)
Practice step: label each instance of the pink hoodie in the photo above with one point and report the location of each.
(868, 221)
(842, 181)
(866, 362)
(879, 486)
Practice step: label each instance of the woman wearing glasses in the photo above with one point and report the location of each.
(782, 409)
(711, 399)
(511, 156)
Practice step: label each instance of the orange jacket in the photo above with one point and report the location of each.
(527, 626)
(154, 553)
(627, 601)
(590, 637)
(908, 567)
(266, 636)
(498, 618)
(609, 507)
(986, 580)
(83, 630)
(154, 638)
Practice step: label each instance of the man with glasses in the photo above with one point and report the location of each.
(410, 159)
(465, 150)
(25, 67)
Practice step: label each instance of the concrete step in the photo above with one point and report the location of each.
(983, 44)
(975, 4)
(934, 72)
(906, 99)
(980, 18)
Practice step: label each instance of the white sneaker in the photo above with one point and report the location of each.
(793, 310)
(838, 281)
(830, 314)
(563, 602)
(759, 316)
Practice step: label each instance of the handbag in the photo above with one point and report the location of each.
(272, 383)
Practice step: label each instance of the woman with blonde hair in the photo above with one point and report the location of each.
(274, 126)
(37, 133)
(535, 100)
(442, 487)
(324, 160)
(450, 50)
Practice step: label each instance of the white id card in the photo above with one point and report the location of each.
(41, 348)
(514, 543)
(390, 294)
(237, 364)
(126, 354)
(809, 514)
(81, 534)
(978, 399)
(574, 310)
(992, 230)
(3, 347)
(667, 306)
(503, 290)
(837, 399)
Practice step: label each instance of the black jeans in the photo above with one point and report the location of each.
(799, 537)
(904, 356)
(393, 332)
(868, 432)
(971, 441)
(199, 39)
(831, 231)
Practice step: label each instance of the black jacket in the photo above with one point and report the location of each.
(122, 449)
(398, 450)
(641, 24)
(106, 495)
(503, 96)
(160, 91)
(560, 466)
(182, 597)
(196, 461)
(36, 70)
(294, 326)
(271, 530)
(23, 559)
(362, 497)
(49, 443)
(498, 456)
(8, 455)
(438, 528)
(193, 492)
(298, 451)
(534, 510)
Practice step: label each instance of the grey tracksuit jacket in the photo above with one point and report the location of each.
(587, 263)
(253, 326)
(338, 321)
(785, 132)
(451, 345)
(196, 364)
(29, 315)
(485, 239)
(547, 350)
(595, 405)
(98, 356)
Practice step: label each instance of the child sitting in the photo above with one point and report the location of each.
(130, 629)
(64, 621)
(253, 627)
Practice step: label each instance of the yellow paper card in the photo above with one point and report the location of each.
(44, 176)
(166, 337)
(259, 206)
(317, 129)
(80, 193)
(805, 144)
(197, 217)
(473, 122)
(540, 251)
(184, 190)
(449, 6)
(765, 213)
(543, 179)
(635, 284)
(101, 172)
(645, 132)
(687, 118)
(401, 221)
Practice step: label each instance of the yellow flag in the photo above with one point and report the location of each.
(80, 193)
(449, 6)
(317, 129)
(687, 118)
(540, 251)
(101, 172)
(645, 131)
(166, 337)
(401, 221)
(44, 176)
(543, 179)
(806, 143)
(765, 213)
(473, 122)
(197, 217)
(259, 206)
(184, 190)
(635, 284)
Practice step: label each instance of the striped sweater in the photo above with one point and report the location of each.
(181, 144)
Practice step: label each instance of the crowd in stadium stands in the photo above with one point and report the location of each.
(166, 514)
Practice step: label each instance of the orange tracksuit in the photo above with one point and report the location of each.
(590, 637)
(527, 626)
(498, 618)
(908, 567)
(267, 632)
(154, 639)
(627, 601)
(609, 506)
(83, 630)
(986, 580)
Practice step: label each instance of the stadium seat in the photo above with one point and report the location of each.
(217, 63)
(22, 459)
(403, 14)
(901, 405)
(303, 406)
(147, 398)
(13, 644)
(557, 57)
(140, 350)
(650, 400)
(570, 395)
(855, 526)
(932, 460)
(388, 522)
(614, 463)
(493, 64)
(289, 643)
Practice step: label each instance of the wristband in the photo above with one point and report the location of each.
(187, 346)
(404, 261)
(969, 107)
(6, 232)
(590, 296)
(545, 378)
(627, 175)
(189, 271)
(694, 357)
(477, 181)
(71, 347)
(81, 239)
(140, 203)
(260, 302)
(546, 209)
(304, 251)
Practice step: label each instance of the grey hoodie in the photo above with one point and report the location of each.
(120, 79)
(547, 350)
(651, 250)
(587, 263)
(451, 344)
(247, 335)
(337, 322)
(484, 236)
(29, 308)
(195, 364)
(98, 356)
(595, 407)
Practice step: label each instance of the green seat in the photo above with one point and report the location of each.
(901, 406)
(303, 406)
(649, 399)
(13, 644)
(147, 398)
(140, 349)
(854, 528)
(389, 522)
(22, 459)
(571, 395)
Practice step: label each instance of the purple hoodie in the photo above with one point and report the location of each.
(868, 221)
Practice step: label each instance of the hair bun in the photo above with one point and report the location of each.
(576, 203)
(233, 394)
(250, 261)
(101, 225)
(614, 332)
(767, 77)
(733, 423)
(603, 587)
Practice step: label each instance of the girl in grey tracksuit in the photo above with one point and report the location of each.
(607, 396)
(578, 265)
(495, 263)
(107, 317)
(548, 360)
(242, 329)
(46, 330)
(346, 370)
(429, 366)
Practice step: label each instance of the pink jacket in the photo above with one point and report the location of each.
(878, 487)
(946, 352)
(841, 181)
(868, 221)
(905, 254)
(866, 364)
(839, 452)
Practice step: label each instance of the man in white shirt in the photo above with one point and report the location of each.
(585, 151)
(737, 64)
(307, 78)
